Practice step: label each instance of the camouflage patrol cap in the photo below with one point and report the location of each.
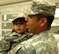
(19, 17)
(20, 20)
(46, 7)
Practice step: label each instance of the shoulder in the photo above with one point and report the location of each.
(26, 50)
(8, 35)
(22, 49)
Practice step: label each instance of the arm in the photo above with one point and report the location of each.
(43, 48)
(4, 46)
(26, 50)
(20, 49)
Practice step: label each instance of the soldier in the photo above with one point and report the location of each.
(17, 35)
(39, 23)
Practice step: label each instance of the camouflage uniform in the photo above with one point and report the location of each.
(42, 43)
(11, 39)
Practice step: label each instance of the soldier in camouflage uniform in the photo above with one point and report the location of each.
(17, 35)
(39, 23)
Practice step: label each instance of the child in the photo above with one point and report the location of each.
(18, 34)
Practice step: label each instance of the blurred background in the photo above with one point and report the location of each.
(9, 9)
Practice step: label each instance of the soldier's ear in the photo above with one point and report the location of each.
(43, 22)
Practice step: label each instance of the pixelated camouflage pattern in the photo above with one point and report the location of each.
(42, 43)
(44, 6)
(11, 40)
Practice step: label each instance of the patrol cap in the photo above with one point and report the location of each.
(20, 20)
(46, 7)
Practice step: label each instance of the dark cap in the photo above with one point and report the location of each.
(19, 19)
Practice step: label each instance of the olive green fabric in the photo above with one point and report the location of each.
(42, 43)
(11, 40)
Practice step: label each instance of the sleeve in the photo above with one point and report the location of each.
(21, 49)
(4, 46)
(43, 48)
(26, 50)
(31, 50)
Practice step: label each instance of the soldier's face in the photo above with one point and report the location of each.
(20, 28)
(32, 24)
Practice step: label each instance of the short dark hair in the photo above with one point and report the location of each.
(48, 17)
(20, 19)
